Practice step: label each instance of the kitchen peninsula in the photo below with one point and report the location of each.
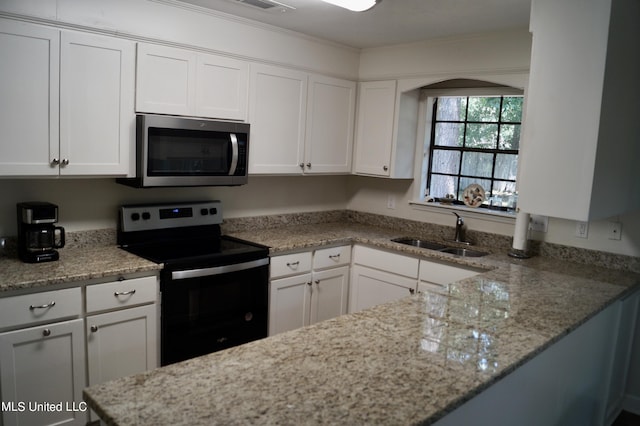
(412, 361)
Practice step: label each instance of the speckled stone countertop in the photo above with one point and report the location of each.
(405, 362)
(93, 255)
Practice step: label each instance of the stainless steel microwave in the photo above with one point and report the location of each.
(180, 151)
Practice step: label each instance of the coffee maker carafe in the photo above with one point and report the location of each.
(38, 237)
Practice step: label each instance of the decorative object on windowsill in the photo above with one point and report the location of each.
(473, 195)
(448, 199)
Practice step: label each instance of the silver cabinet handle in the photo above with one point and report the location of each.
(55, 162)
(385, 168)
(317, 282)
(334, 256)
(412, 290)
(94, 328)
(301, 165)
(64, 162)
(309, 283)
(124, 293)
(46, 332)
(45, 306)
(309, 165)
(293, 264)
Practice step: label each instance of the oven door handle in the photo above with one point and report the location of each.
(217, 270)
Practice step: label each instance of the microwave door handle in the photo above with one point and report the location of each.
(234, 154)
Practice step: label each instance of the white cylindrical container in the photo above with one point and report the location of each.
(520, 235)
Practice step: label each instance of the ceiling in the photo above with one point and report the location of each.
(390, 22)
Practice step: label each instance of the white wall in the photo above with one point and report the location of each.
(86, 204)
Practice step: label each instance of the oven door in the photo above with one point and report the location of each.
(209, 309)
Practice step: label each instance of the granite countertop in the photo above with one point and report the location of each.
(404, 362)
(76, 264)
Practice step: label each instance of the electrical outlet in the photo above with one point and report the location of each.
(582, 229)
(539, 223)
(615, 230)
(391, 202)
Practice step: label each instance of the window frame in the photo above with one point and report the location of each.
(425, 148)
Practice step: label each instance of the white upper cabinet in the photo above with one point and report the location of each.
(386, 130)
(376, 104)
(165, 80)
(29, 102)
(330, 120)
(183, 82)
(581, 132)
(300, 123)
(277, 113)
(97, 119)
(67, 102)
(222, 85)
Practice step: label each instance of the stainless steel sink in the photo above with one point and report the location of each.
(464, 252)
(458, 251)
(415, 242)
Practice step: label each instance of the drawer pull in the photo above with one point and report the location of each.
(45, 306)
(293, 264)
(46, 332)
(94, 328)
(334, 256)
(124, 293)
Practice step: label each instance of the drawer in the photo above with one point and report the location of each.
(441, 273)
(121, 294)
(290, 264)
(329, 257)
(37, 307)
(386, 261)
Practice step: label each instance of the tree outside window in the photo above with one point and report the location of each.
(475, 139)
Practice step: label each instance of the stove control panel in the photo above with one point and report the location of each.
(144, 217)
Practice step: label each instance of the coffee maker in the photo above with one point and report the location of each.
(38, 237)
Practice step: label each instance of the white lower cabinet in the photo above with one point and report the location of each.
(121, 343)
(371, 287)
(308, 288)
(46, 357)
(378, 276)
(42, 374)
(434, 276)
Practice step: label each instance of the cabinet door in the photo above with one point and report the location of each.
(29, 101)
(443, 274)
(165, 80)
(330, 122)
(277, 111)
(222, 86)
(43, 364)
(121, 343)
(370, 287)
(97, 119)
(330, 290)
(374, 135)
(289, 303)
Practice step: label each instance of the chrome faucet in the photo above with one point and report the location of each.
(459, 237)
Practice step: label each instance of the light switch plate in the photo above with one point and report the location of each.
(539, 223)
(582, 229)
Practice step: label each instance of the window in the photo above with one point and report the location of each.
(474, 140)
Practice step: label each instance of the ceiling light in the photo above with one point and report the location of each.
(354, 5)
